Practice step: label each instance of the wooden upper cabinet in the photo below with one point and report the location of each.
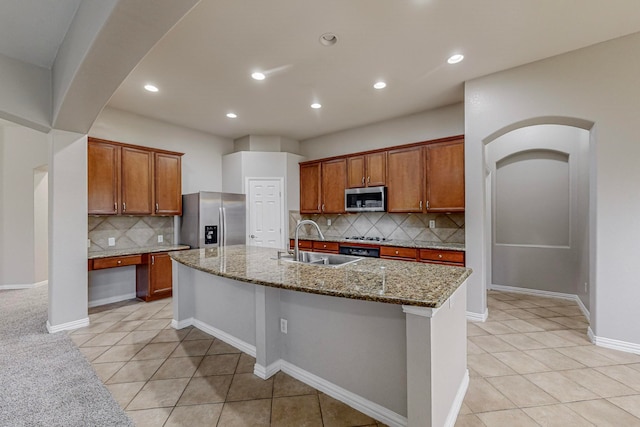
(376, 169)
(136, 175)
(131, 180)
(310, 181)
(334, 181)
(103, 165)
(405, 180)
(167, 184)
(367, 170)
(445, 177)
(356, 172)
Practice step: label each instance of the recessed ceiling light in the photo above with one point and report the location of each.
(454, 59)
(232, 115)
(328, 39)
(258, 76)
(380, 85)
(151, 88)
(316, 105)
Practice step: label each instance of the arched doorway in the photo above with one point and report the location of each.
(537, 208)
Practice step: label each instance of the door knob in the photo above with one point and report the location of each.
(253, 236)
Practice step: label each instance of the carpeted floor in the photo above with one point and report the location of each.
(44, 379)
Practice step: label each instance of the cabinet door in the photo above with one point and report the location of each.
(136, 181)
(405, 180)
(376, 169)
(355, 172)
(160, 279)
(310, 188)
(103, 178)
(445, 177)
(167, 184)
(334, 181)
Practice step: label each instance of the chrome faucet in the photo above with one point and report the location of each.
(296, 251)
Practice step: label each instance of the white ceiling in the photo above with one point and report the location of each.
(33, 30)
(202, 66)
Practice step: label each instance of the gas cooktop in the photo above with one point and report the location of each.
(369, 239)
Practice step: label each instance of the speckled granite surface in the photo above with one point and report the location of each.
(136, 251)
(400, 243)
(409, 283)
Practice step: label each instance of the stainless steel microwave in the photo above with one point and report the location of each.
(369, 199)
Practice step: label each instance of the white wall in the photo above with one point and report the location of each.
(432, 124)
(598, 84)
(202, 161)
(540, 207)
(41, 223)
(23, 150)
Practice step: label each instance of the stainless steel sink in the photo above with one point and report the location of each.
(315, 258)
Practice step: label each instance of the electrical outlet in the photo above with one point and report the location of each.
(88, 243)
(283, 326)
(432, 223)
(328, 222)
(112, 241)
(586, 287)
(160, 238)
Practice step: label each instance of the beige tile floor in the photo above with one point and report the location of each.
(531, 364)
(164, 377)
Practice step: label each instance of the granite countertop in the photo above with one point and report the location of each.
(400, 243)
(136, 251)
(408, 283)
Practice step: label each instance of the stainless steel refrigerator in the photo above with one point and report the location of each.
(211, 219)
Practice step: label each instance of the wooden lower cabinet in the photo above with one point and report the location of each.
(438, 256)
(302, 244)
(154, 277)
(328, 247)
(395, 252)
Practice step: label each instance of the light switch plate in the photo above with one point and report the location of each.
(160, 238)
(112, 241)
(88, 243)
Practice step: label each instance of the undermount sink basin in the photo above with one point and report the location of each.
(329, 260)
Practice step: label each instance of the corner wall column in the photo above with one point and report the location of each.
(68, 293)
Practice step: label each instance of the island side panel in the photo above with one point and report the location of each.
(268, 342)
(357, 345)
(219, 305)
(437, 361)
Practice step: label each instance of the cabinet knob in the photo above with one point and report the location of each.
(324, 246)
(397, 252)
(439, 255)
(119, 262)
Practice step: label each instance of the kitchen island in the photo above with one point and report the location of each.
(386, 337)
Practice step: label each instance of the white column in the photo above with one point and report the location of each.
(68, 293)
(437, 376)
(267, 331)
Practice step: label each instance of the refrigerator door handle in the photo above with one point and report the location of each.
(224, 226)
(222, 230)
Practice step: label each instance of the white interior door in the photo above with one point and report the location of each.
(265, 212)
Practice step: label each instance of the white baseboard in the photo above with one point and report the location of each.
(547, 294)
(379, 413)
(478, 317)
(68, 326)
(457, 402)
(625, 346)
(110, 300)
(267, 372)
(221, 335)
(23, 286)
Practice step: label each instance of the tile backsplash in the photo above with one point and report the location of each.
(129, 232)
(449, 228)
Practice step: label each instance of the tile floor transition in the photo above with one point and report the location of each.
(530, 364)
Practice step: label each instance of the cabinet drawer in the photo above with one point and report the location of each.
(302, 244)
(444, 256)
(398, 253)
(121, 261)
(333, 247)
